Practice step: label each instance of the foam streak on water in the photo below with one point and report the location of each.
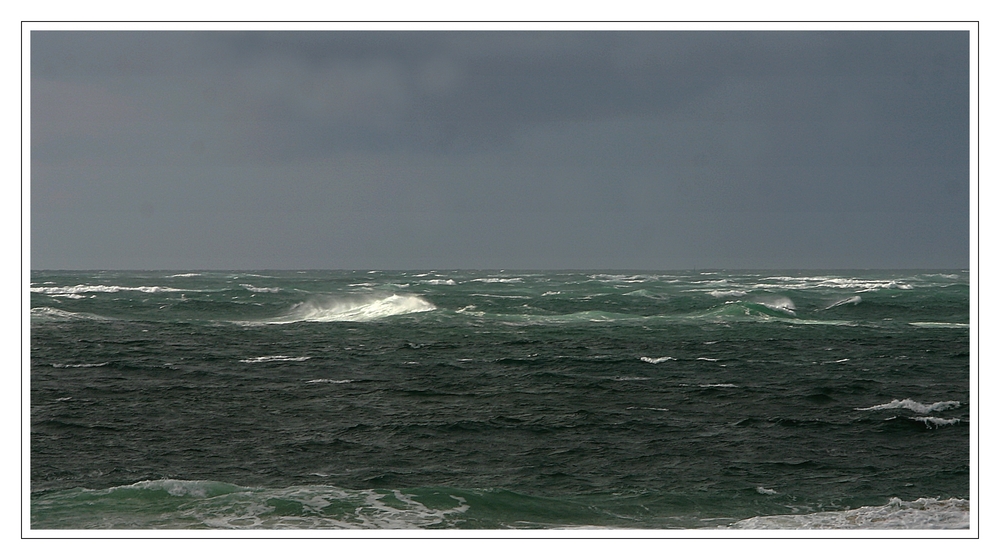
(924, 513)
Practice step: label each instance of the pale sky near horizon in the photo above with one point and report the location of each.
(545, 150)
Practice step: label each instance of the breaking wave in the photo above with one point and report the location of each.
(919, 408)
(354, 309)
(53, 314)
(782, 304)
(84, 288)
(660, 360)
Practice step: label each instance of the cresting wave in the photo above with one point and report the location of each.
(53, 314)
(354, 309)
(659, 360)
(84, 288)
(919, 408)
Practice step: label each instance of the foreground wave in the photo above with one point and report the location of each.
(190, 504)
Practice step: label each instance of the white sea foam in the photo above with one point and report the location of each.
(934, 422)
(102, 364)
(202, 503)
(492, 280)
(260, 290)
(708, 359)
(727, 293)
(85, 288)
(766, 491)
(624, 278)
(783, 304)
(919, 408)
(184, 275)
(941, 325)
(53, 314)
(263, 359)
(193, 488)
(657, 360)
(923, 513)
(647, 408)
(355, 308)
(372, 509)
(809, 282)
(721, 385)
(330, 381)
(440, 282)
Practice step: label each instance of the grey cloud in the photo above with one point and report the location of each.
(466, 147)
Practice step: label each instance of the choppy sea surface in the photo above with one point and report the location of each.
(500, 400)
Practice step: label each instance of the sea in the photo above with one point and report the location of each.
(502, 400)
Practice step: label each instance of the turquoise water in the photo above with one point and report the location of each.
(499, 399)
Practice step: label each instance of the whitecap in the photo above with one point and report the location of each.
(783, 304)
(917, 407)
(354, 309)
(330, 381)
(492, 280)
(934, 422)
(263, 359)
(53, 314)
(85, 288)
(727, 293)
(657, 360)
(260, 290)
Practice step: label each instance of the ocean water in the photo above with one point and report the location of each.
(500, 400)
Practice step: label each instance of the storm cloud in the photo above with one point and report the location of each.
(396, 150)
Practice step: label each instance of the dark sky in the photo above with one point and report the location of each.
(544, 150)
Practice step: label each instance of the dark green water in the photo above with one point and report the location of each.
(487, 399)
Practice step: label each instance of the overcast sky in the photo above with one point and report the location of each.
(544, 150)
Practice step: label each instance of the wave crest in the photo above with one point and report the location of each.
(355, 309)
(910, 404)
(922, 513)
